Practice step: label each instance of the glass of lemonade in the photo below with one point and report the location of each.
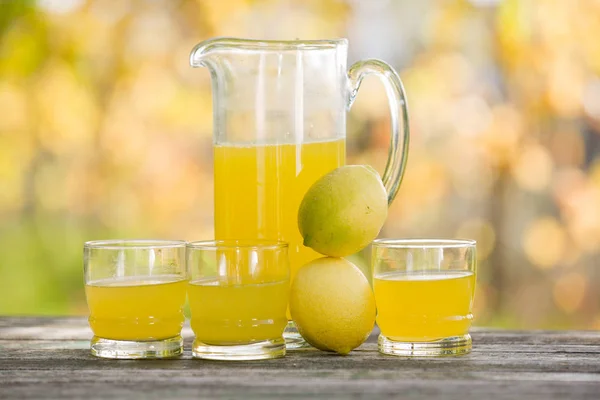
(424, 292)
(238, 294)
(135, 291)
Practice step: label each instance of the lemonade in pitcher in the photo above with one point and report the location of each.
(258, 190)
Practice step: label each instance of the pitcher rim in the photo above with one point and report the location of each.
(278, 45)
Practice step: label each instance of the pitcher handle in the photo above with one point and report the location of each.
(397, 157)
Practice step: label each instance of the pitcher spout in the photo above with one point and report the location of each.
(201, 53)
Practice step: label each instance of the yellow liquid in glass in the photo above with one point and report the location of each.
(237, 314)
(136, 308)
(424, 307)
(258, 190)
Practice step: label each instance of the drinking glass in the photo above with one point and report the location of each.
(424, 291)
(238, 295)
(135, 292)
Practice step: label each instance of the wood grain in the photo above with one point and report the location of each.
(49, 357)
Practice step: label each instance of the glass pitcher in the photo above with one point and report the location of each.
(280, 124)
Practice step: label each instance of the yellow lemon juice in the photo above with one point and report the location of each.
(136, 308)
(231, 314)
(259, 188)
(426, 306)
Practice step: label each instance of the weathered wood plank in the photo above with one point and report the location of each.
(42, 357)
(260, 384)
(274, 383)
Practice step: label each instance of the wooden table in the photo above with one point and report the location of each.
(49, 357)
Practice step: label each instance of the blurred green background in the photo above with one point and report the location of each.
(105, 132)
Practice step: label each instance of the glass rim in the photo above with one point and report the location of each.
(247, 244)
(135, 244)
(422, 243)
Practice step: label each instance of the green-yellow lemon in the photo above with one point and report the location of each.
(343, 211)
(332, 304)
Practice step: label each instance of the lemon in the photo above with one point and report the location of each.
(332, 304)
(343, 211)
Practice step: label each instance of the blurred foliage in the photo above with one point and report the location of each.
(105, 132)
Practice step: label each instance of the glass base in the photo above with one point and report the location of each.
(273, 348)
(451, 346)
(293, 339)
(132, 350)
